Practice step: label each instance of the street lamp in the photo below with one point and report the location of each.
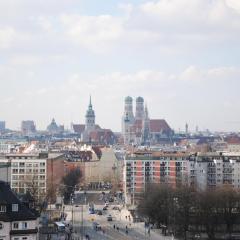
(175, 200)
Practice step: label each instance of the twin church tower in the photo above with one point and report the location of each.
(135, 129)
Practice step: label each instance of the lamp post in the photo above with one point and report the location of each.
(82, 232)
(175, 200)
(72, 211)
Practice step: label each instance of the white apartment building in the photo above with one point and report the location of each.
(210, 170)
(27, 171)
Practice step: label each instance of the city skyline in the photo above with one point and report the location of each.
(181, 56)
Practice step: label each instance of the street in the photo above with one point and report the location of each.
(108, 231)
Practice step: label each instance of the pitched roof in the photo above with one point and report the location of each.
(159, 125)
(78, 128)
(7, 198)
(234, 140)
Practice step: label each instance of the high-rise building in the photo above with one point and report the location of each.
(2, 126)
(28, 127)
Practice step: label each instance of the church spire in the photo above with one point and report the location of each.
(146, 112)
(90, 103)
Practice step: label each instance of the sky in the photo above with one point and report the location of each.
(181, 56)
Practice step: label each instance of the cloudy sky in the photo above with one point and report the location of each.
(182, 56)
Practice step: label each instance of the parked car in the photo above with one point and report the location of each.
(109, 218)
(99, 212)
(105, 208)
(97, 226)
(116, 208)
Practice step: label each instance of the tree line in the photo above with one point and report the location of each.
(187, 212)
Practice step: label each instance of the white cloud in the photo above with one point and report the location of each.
(25, 60)
(92, 32)
(7, 35)
(234, 4)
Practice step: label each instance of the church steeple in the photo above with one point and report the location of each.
(146, 127)
(90, 117)
(90, 103)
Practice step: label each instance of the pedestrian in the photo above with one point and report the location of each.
(126, 227)
(118, 229)
(126, 231)
(114, 226)
(149, 231)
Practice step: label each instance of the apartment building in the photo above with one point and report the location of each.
(216, 169)
(143, 168)
(202, 170)
(33, 171)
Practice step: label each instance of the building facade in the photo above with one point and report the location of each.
(143, 168)
(2, 126)
(33, 172)
(17, 222)
(200, 170)
(28, 127)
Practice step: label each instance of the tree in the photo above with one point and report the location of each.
(208, 211)
(156, 204)
(230, 203)
(70, 180)
(184, 202)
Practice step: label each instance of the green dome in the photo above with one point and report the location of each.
(128, 99)
(140, 99)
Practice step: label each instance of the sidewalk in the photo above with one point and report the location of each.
(155, 234)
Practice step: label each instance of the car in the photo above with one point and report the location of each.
(97, 226)
(105, 208)
(116, 208)
(99, 212)
(109, 218)
(91, 210)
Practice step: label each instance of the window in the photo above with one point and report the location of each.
(14, 207)
(24, 225)
(3, 208)
(15, 226)
(1, 226)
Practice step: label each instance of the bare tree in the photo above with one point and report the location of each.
(69, 183)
